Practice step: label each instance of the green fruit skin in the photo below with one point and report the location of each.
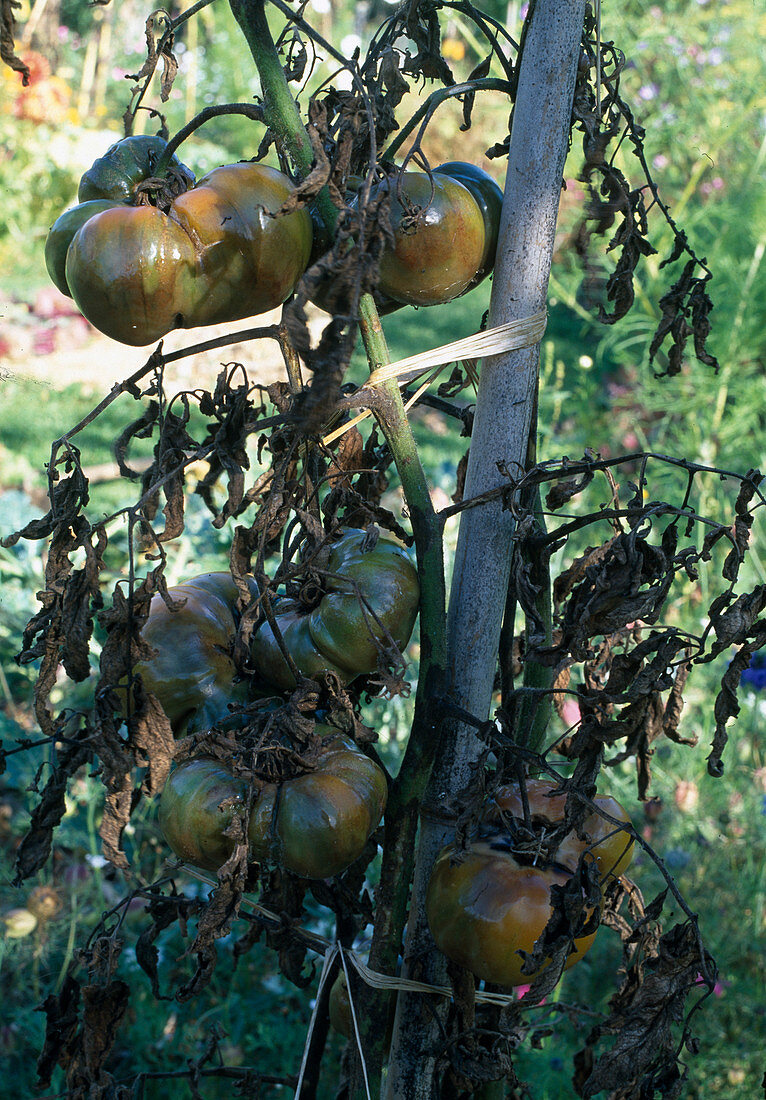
(317, 824)
(435, 257)
(489, 198)
(61, 234)
(217, 255)
(192, 672)
(342, 633)
(197, 805)
(123, 166)
(133, 274)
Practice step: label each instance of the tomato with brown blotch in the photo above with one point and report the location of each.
(439, 240)
(192, 671)
(489, 901)
(483, 907)
(314, 825)
(489, 198)
(371, 593)
(217, 255)
(609, 844)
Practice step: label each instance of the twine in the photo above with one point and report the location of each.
(373, 978)
(512, 336)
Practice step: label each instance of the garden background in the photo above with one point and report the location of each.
(696, 76)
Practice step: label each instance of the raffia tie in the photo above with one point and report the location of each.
(523, 333)
(373, 978)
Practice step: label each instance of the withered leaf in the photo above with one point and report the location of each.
(7, 47)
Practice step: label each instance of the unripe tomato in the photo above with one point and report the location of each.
(342, 632)
(198, 804)
(340, 1010)
(61, 234)
(439, 240)
(314, 825)
(483, 908)
(192, 672)
(124, 166)
(217, 255)
(489, 199)
(317, 824)
(611, 848)
(213, 253)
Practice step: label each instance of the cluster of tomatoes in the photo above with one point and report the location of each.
(142, 255)
(318, 822)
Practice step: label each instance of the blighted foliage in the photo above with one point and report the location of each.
(608, 642)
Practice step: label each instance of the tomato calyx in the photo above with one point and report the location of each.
(162, 191)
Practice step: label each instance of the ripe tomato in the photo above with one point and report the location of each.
(217, 254)
(439, 240)
(192, 672)
(314, 825)
(483, 907)
(370, 592)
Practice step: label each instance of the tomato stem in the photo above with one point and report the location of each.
(281, 114)
(251, 110)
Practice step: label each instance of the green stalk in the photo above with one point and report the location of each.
(281, 114)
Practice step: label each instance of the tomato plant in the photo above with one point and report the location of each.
(369, 598)
(217, 253)
(314, 825)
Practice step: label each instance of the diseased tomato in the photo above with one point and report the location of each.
(314, 825)
(124, 166)
(340, 1010)
(60, 237)
(214, 253)
(317, 824)
(489, 199)
(491, 900)
(483, 908)
(198, 804)
(611, 848)
(439, 240)
(192, 672)
(368, 593)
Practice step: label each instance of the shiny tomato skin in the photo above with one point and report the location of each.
(612, 849)
(483, 907)
(488, 197)
(123, 167)
(133, 273)
(197, 805)
(317, 824)
(439, 240)
(61, 234)
(343, 633)
(192, 672)
(216, 255)
(251, 261)
(314, 825)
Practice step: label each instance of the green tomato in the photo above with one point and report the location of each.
(369, 595)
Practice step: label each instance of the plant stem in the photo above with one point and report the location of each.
(281, 114)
